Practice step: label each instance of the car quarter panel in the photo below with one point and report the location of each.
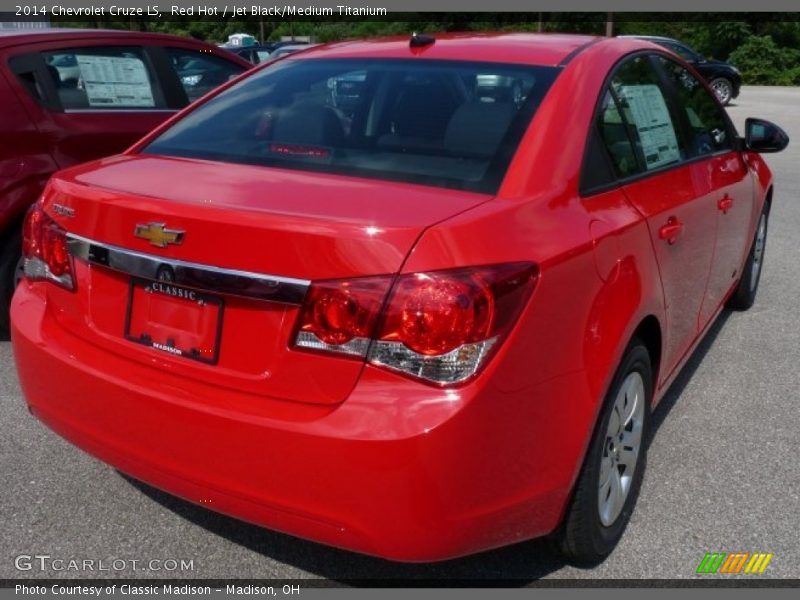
(546, 172)
(25, 162)
(551, 152)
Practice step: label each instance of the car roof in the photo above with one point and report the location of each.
(547, 49)
(529, 48)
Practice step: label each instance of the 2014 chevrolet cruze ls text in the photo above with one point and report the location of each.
(411, 298)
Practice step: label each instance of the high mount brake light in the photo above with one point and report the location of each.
(44, 249)
(440, 326)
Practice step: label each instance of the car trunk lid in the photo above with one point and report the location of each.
(287, 227)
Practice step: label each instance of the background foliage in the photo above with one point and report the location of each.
(764, 46)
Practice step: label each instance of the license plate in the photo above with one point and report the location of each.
(174, 320)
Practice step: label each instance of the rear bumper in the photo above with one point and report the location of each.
(399, 470)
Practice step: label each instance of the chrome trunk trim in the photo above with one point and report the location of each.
(216, 280)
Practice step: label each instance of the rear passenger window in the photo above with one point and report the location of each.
(707, 121)
(103, 78)
(644, 107)
(616, 135)
(200, 72)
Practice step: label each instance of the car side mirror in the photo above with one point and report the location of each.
(764, 136)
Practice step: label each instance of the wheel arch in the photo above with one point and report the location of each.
(649, 332)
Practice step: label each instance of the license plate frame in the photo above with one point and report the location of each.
(192, 300)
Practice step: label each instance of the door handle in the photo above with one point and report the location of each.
(725, 204)
(670, 232)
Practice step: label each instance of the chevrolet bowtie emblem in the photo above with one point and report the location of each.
(158, 235)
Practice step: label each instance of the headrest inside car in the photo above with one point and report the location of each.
(309, 123)
(477, 128)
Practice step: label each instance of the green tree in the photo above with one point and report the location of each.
(762, 61)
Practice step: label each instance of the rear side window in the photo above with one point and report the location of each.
(104, 78)
(644, 106)
(637, 128)
(709, 127)
(617, 134)
(200, 72)
(444, 123)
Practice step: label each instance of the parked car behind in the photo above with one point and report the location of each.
(258, 53)
(69, 96)
(253, 54)
(289, 49)
(416, 299)
(724, 78)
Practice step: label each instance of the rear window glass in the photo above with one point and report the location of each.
(443, 123)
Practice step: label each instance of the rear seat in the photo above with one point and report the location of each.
(419, 118)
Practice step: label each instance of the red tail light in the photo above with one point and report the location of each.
(440, 326)
(434, 313)
(44, 249)
(340, 316)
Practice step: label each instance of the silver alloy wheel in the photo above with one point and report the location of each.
(621, 448)
(722, 88)
(758, 252)
(19, 272)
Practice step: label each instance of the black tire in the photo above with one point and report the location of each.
(723, 88)
(10, 252)
(583, 538)
(745, 294)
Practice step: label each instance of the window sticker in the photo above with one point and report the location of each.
(650, 115)
(114, 81)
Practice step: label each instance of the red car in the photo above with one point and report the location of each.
(69, 95)
(412, 298)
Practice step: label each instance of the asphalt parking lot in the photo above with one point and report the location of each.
(723, 471)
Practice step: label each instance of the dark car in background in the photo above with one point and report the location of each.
(252, 54)
(724, 78)
(68, 96)
(258, 53)
(290, 49)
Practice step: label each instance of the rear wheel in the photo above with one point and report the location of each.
(10, 272)
(745, 294)
(609, 481)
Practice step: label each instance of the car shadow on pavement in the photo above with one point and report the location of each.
(685, 375)
(515, 565)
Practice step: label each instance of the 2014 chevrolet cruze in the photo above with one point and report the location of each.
(412, 298)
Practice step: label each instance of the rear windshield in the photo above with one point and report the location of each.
(443, 123)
